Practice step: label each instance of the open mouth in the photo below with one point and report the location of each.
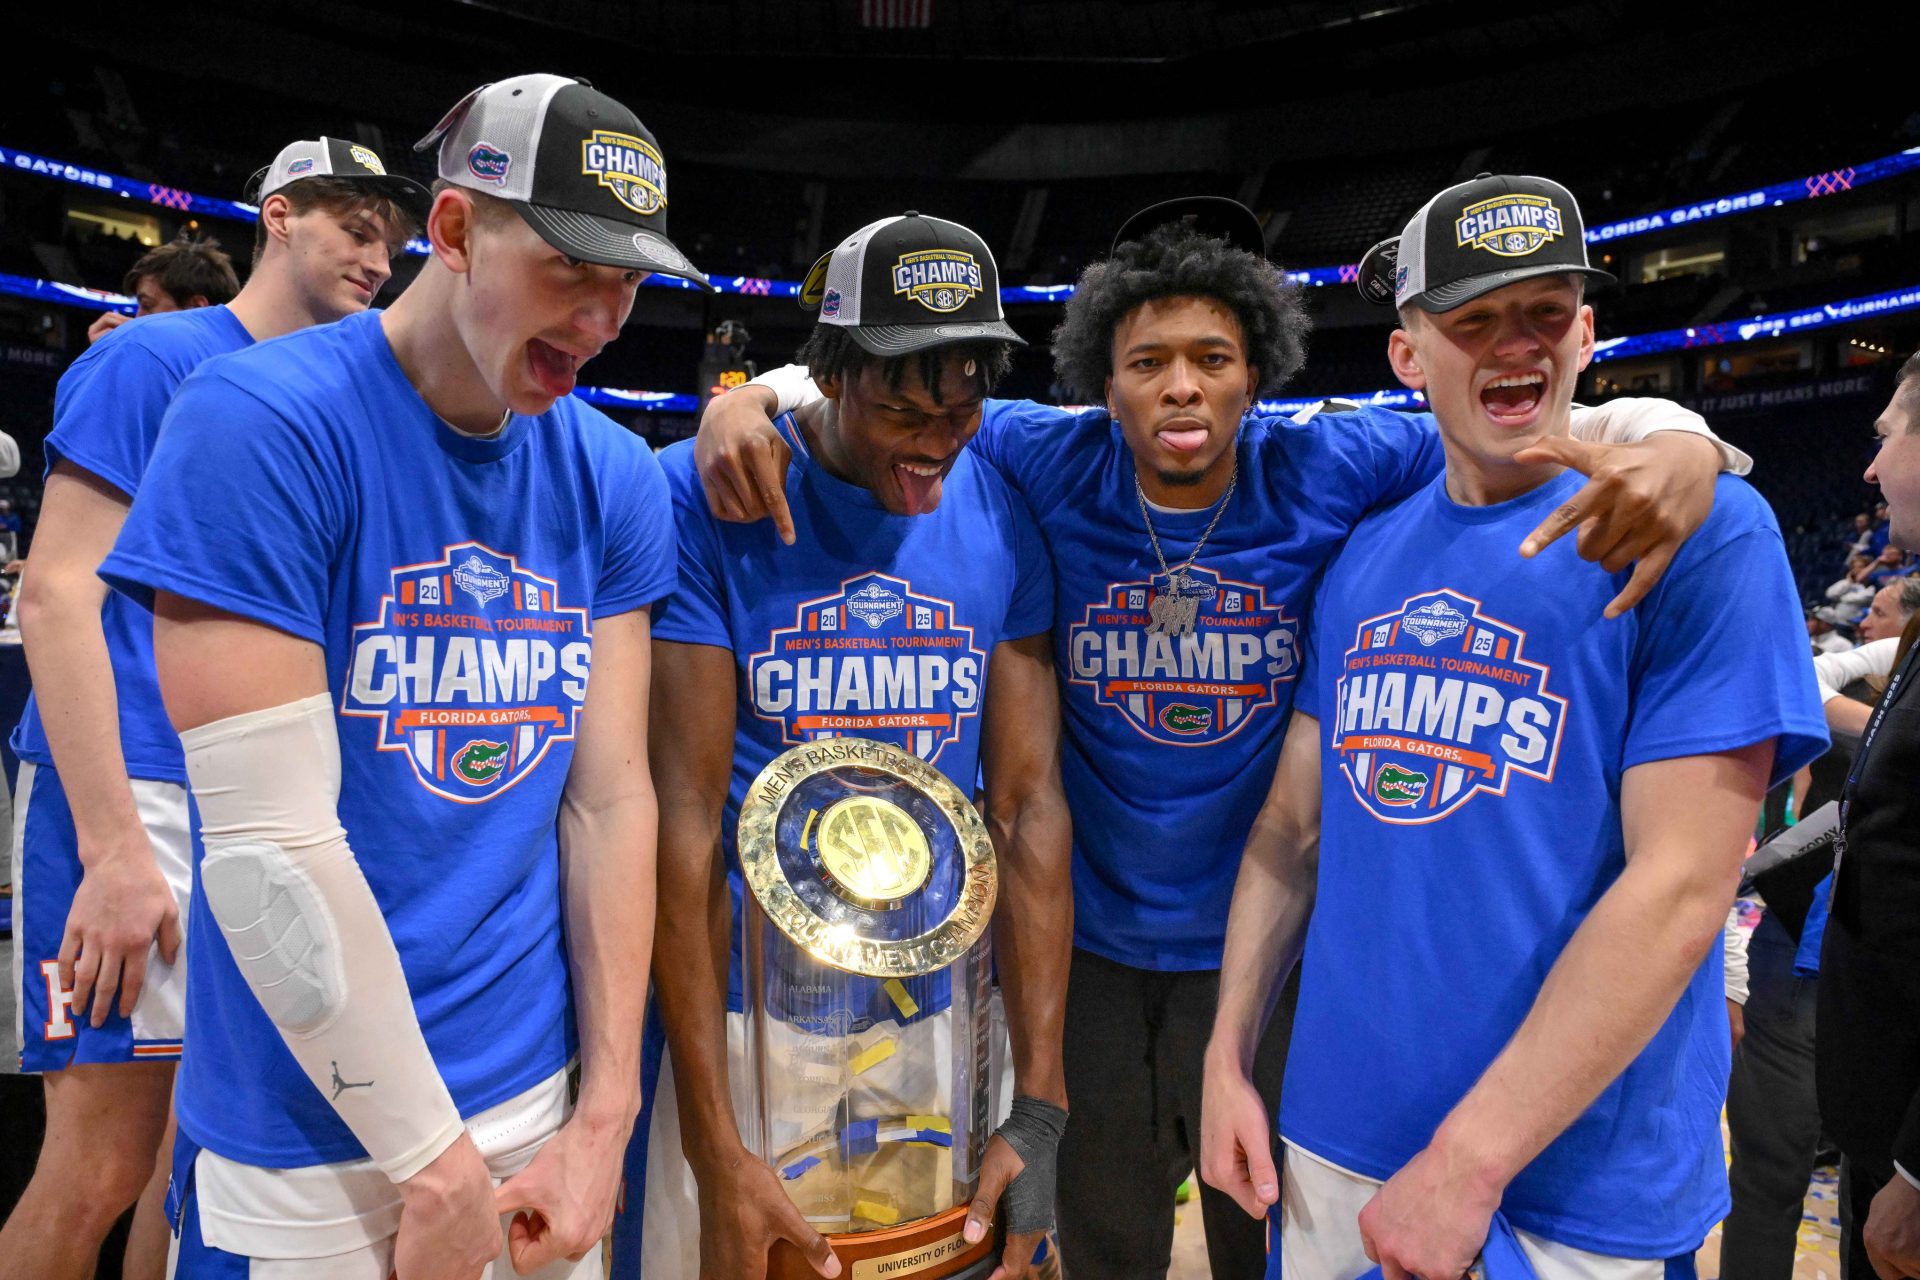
(553, 368)
(1514, 397)
(920, 484)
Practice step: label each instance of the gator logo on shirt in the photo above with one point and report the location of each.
(1191, 690)
(1178, 717)
(1396, 786)
(481, 762)
(873, 660)
(474, 668)
(1435, 704)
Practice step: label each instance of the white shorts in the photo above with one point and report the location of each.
(1320, 1206)
(337, 1221)
(46, 875)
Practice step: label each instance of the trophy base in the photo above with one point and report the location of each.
(930, 1249)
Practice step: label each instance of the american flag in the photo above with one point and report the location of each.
(890, 14)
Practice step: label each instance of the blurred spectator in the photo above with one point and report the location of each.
(1820, 630)
(186, 272)
(1889, 564)
(1892, 605)
(1851, 682)
(1862, 536)
(1851, 595)
(9, 531)
(1877, 540)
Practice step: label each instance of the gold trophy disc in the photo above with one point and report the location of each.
(874, 853)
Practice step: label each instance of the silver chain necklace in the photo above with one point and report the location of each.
(1175, 610)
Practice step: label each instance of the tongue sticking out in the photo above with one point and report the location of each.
(1188, 440)
(1511, 402)
(552, 368)
(921, 492)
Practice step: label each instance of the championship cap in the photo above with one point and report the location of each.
(1476, 237)
(337, 158)
(908, 283)
(1216, 216)
(577, 166)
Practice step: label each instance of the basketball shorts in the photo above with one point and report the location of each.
(1317, 1222)
(46, 875)
(236, 1221)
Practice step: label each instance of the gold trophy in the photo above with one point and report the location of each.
(867, 969)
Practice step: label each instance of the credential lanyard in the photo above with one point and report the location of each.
(1892, 695)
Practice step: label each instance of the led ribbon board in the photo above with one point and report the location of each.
(1831, 182)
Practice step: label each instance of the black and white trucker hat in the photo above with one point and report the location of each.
(337, 158)
(908, 283)
(576, 165)
(1476, 237)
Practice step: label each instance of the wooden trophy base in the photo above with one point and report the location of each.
(930, 1249)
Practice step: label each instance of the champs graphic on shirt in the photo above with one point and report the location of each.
(1435, 704)
(474, 668)
(875, 660)
(1189, 690)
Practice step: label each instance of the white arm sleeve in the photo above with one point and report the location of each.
(1734, 940)
(305, 929)
(1630, 419)
(9, 457)
(1835, 671)
(792, 385)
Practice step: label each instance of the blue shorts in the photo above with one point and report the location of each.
(46, 875)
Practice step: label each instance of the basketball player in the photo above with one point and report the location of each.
(383, 558)
(101, 866)
(188, 271)
(1527, 825)
(1186, 537)
(929, 564)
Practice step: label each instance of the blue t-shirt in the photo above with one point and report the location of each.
(106, 417)
(1170, 744)
(871, 625)
(454, 584)
(1476, 715)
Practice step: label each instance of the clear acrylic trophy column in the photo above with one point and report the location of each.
(867, 967)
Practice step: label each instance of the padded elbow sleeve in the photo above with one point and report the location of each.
(280, 930)
(305, 930)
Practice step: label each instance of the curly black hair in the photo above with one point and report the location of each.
(829, 352)
(1174, 261)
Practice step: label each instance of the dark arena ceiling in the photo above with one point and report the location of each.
(1014, 90)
